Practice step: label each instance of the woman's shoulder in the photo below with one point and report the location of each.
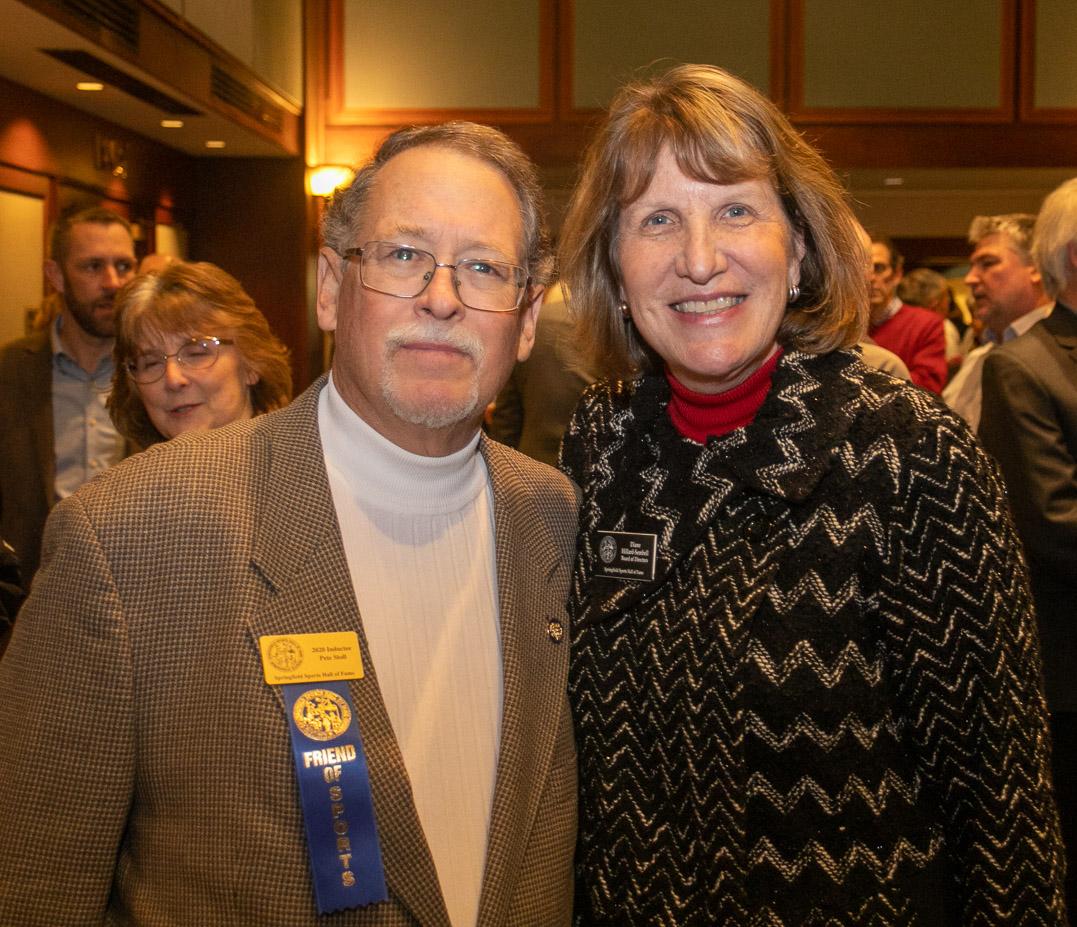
(876, 402)
(602, 419)
(834, 406)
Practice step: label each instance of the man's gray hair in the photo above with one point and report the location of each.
(1017, 226)
(1056, 230)
(344, 215)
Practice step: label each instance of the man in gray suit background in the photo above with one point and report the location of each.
(317, 661)
(1029, 424)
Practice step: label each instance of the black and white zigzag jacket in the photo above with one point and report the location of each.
(827, 708)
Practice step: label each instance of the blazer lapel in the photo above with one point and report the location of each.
(1061, 324)
(299, 555)
(37, 400)
(535, 672)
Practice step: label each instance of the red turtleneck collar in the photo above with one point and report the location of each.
(703, 415)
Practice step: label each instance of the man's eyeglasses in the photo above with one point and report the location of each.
(196, 354)
(403, 271)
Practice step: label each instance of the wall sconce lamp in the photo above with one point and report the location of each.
(323, 179)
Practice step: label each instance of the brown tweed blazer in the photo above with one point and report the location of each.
(27, 457)
(145, 764)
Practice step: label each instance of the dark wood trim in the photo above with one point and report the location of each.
(945, 146)
(806, 115)
(779, 31)
(315, 70)
(569, 113)
(337, 114)
(15, 179)
(566, 43)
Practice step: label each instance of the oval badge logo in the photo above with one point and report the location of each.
(321, 714)
(285, 654)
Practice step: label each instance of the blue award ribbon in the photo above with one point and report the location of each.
(334, 786)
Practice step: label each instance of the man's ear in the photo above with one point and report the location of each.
(529, 313)
(330, 274)
(54, 275)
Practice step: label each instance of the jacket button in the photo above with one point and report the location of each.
(756, 529)
(555, 631)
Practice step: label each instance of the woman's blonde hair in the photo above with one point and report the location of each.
(194, 300)
(720, 130)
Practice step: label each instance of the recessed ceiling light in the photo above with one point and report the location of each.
(171, 123)
(214, 143)
(893, 181)
(89, 85)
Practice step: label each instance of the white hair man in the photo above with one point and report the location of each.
(1008, 299)
(317, 662)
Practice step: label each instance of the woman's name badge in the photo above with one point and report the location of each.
(330, 764)
(288, 658)
(626, 555)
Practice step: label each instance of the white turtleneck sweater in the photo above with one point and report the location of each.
(419, 539)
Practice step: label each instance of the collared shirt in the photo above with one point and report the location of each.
(964, 392)
(84, 438)
(892, 308)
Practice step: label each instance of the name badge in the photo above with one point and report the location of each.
(302, 658)
(330, 764)
(626, 555)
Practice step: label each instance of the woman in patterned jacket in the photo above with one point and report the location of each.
(805, 675)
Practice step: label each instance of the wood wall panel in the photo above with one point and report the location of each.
(857, 62)
(611, 41)
(1048, 65)
(426, 62)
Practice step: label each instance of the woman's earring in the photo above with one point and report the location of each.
(624, 311)
(794, 293)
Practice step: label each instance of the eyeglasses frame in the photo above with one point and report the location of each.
(167, 357)
(358, 252)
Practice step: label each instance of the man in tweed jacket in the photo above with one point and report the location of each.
(146, 767)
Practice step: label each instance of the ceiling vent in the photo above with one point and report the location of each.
(117, 17)
(238, 95)
(107, 74)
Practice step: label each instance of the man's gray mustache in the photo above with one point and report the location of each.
(465, 342)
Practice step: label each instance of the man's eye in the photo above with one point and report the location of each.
(484, 269)
(124, 267)
(403, 255)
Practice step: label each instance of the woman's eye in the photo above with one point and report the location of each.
(658, 220)
(738, 212)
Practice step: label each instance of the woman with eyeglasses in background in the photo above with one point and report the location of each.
(192, 353)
